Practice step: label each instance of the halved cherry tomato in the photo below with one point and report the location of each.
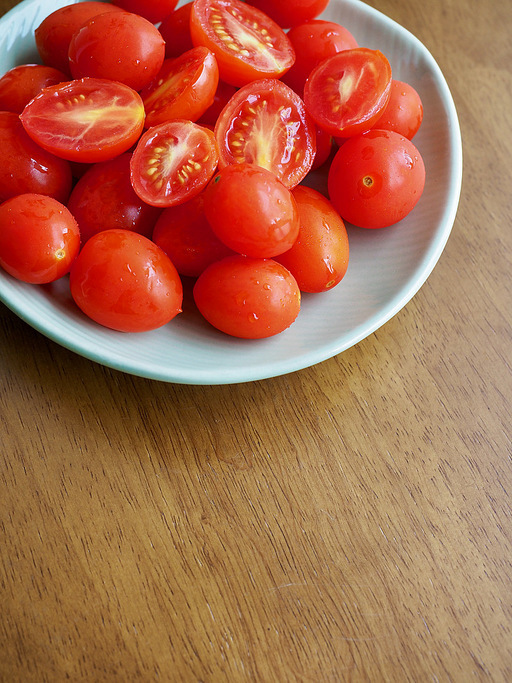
(152, 10)
(247, 43)
(266, 123)
(175, 30)
(173, 162)
(183, 89)
(403, 112)
(87, 120)
(346, 93)
(22, 83)
(288, 13)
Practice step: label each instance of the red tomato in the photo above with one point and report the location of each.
(22, 83)
(39, 238)
(119, 46)
(319, 257)
(289, 13)
(248, 298)
(183, 89)
(376, 179)
(248, 45)
(175, 30)
(173, 162)
(264, 223)
(26, 167)
(187, 238)
(222, 96)
(104, 199)
(152, 10)
(265, 123)
(324, 143)
(314, 41)
(346, 93)
(54, 33)
(403, 112)
(124, 281)
(85, 120)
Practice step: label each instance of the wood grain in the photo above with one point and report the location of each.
(349, 522)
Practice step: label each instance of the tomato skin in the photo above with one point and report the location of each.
(86, 120)
(257, 48)
(319, 257)
(288, 13)
(26, 167)
(175, 30)
(223, 94)
(103, 199)
(173, 162)
(184, 88)
(125, 282)
(120, 46)
(54, 33)
(376, 179)
(266, 123)
(346, 93)
(154, 10)
(39, 238)
(248, 298)
(403, 112)
(314, 41)
(22, 83)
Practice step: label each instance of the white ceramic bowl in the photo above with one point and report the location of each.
(387, 267)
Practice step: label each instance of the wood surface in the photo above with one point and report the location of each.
(348, 522)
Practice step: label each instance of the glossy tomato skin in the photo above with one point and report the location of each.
(288, 13)
(152, 10)
(264, 223)
(22, 83)
(187, 238)
(376, 179)
(120, 46)
(103, 199)
(319, 257)
(314, 41)
(173, 162)
(403, 112)
(223, 94)
(266, 123)
(54, 33)
(26, 167)
(39, 238)
(248, 298)
(346, 93)
(184, 88)
(175, 30)
(85, 120)
(248, 45)
(125, 282)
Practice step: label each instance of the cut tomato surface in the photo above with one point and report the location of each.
(265, 123)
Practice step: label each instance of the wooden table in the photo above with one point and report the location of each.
(349, 522)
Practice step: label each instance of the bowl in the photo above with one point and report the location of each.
(387, 267)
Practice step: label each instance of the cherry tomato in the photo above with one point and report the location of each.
(314, 41)
(54, 33)
(22, 83)
(376, 179)
(247, 298)
(248, 45)
(187, 238)
(39, 238)
(324, 145)
(152, 10)
(183, 89)
(288, 13)
(124, 281)
(175, 30)
(26, 167)
(222, 96)
(265, 123)
(173, 162)
(319, 257)
(120, 46)
(403, 112)
(346, 93)
(86, 120)
(265, 223)
(104, 199)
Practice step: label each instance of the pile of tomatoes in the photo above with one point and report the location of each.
(158, 145)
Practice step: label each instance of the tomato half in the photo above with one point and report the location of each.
(346, 93)
(173, 162)
(247, 43)
(266, 123)
(288, 13)
(85, 120)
